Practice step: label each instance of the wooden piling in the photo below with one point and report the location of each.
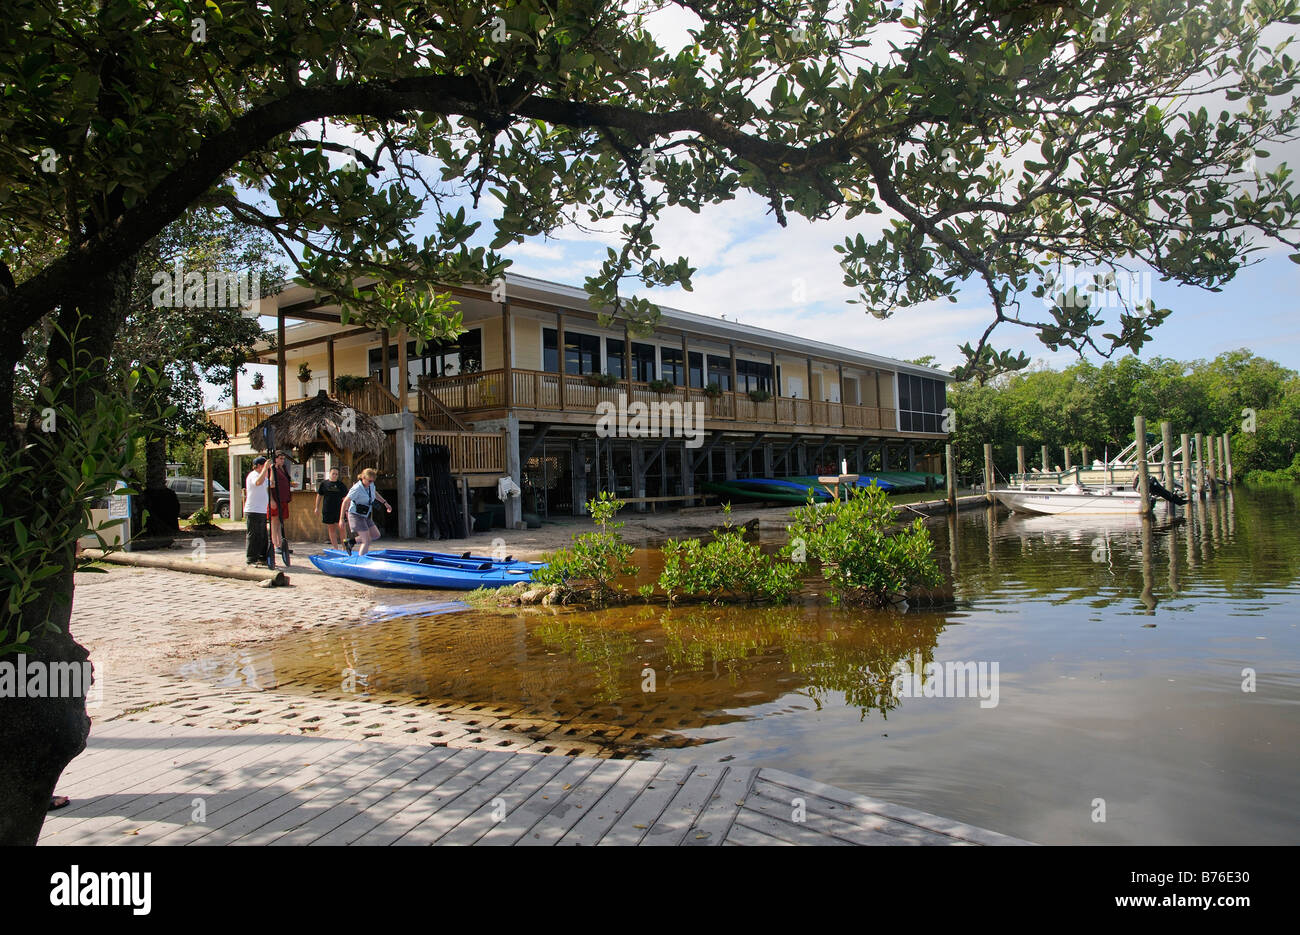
(1212, 463)
(1084, 462)
(1140, 430)
(1227, 458)
(1067, 459)
(950, 476)
(1200, 464)
(1020, 459)
(989, 480)
(1186, 441)
(1167, 440)
(1045, 465)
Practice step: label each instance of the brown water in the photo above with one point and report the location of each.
(1119, 651)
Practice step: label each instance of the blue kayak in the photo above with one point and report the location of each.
(463, 560)
(413, 569)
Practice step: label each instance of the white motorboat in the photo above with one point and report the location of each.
(1074, 499)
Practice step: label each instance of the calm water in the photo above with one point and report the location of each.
(1119, 653)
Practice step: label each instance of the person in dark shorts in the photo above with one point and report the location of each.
(256, 486)
(329, 497)
(280, 494)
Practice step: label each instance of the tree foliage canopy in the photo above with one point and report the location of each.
(1006, 139)
(1254, 399)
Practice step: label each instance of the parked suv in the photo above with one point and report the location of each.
(189, 491)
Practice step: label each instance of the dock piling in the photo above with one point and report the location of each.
(1045, 467)
(989, 479)
(1020, 459)
(1227, 458)
(1167, 439)
(950, 477)
(1140, 430)
(1200, 464)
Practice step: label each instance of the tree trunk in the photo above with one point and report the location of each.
(40, 736)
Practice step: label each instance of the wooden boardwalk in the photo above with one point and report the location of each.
(141, 783)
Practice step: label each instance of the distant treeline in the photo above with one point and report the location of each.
(1255, 400)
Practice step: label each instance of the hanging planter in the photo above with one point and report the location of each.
(662, 386)
(713, 391)
(605, 380)
(304, 373)
(760, 396)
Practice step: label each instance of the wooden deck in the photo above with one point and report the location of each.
(141, 783)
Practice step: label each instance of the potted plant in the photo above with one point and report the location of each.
(600, 379)
(348, 383)
(259, 381)
(662, 386)
(760, 396)
(713, 390)
(304, 376)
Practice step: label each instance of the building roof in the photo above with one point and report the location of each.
(542, 290)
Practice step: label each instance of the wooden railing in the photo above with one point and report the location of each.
(435, 414)
(471, 452)
(242, 420)
(469, 391)
(542, 390)
(372, 398)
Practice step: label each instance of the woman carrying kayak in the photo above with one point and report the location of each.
(358, 506)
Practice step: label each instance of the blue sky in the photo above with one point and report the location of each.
(789, 280)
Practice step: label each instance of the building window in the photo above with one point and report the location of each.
(720, 371)
(581, 352)
(643, 362)
(753, 375)
(439, 359)
(674, 370)
(697, 369)
(921, 402)
(614, 357)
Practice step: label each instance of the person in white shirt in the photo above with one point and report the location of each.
(255, 502)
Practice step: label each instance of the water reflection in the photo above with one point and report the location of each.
(1119, 643)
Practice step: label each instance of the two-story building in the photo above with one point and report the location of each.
(536, 389)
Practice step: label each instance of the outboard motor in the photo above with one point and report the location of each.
(1160, 490)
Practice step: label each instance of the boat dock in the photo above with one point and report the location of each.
(143, 783)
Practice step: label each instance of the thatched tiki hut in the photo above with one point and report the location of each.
(308, 428)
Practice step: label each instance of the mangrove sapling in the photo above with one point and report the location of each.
(588, 568)
(727, 569)
(861, 559)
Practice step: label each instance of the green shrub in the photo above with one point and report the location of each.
(727, 568)
(861, 560)
(589, 567)
(201, 517)
(1286, 475)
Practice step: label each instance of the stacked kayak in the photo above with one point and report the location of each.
(414, 569)
(783, 490)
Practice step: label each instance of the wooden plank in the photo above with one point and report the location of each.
(519, 822)
(565, 812)
(351, 788)
(720, 813)
(431, 800)
(636, 820)
(450, 813)
(948, 826)
(239, 792)
(481, 821)
(774, 819)
(108, 803)
(851, 824)
(748, 837)
(597, 821)
(354, 828)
